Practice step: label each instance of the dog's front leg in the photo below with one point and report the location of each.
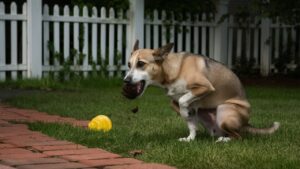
(191, 120)
(196, 92)
(184, 102)
(192, 125)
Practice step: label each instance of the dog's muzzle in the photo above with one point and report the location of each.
(133, 90)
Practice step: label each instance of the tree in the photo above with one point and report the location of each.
(288, 11)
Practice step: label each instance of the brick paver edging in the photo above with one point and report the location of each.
(26, 149)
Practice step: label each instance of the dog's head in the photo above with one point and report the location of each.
(145, 68)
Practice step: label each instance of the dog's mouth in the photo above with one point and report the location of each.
(132, 91)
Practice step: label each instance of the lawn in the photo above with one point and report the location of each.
(155, 128)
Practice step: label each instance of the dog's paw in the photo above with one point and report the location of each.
(223, 139)
(186, 139)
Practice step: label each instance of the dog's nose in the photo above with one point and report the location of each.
(127, 79)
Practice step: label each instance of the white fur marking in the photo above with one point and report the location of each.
(185, 139)
(138, 75)
(223, 139)
(186, 99)
(177, 89)
(184, 102)
(276, 125)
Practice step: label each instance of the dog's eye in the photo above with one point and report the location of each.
(140, 64)
(129, 65)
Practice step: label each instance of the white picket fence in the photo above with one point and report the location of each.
(270, 36)
(17, 60)
(105, 35)
(281, 35)
(251, 42)
(104, 38)
(195, 36)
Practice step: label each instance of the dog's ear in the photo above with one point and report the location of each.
(136, 46)
(160, 53)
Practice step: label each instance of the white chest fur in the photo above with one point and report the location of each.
(177, 89)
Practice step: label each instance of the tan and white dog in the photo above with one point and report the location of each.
(202, 90)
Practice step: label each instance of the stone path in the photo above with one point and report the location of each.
(25, 149)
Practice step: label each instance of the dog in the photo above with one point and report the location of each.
(201, 89)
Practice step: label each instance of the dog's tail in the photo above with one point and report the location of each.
(268, 130)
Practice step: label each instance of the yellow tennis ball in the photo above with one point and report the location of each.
(100, 123)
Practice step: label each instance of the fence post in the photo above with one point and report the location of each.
(265, 47)
(34, 22)
(2, 43)
(221, 33)
(136, 22)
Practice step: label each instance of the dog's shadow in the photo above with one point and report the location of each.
(174, 134)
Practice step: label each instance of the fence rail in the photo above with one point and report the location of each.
(91, 39)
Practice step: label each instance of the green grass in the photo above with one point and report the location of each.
(155, 128)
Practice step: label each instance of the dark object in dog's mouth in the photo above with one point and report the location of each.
(132, 91)
(135, 110)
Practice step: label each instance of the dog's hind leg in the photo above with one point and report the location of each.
(230, 120)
